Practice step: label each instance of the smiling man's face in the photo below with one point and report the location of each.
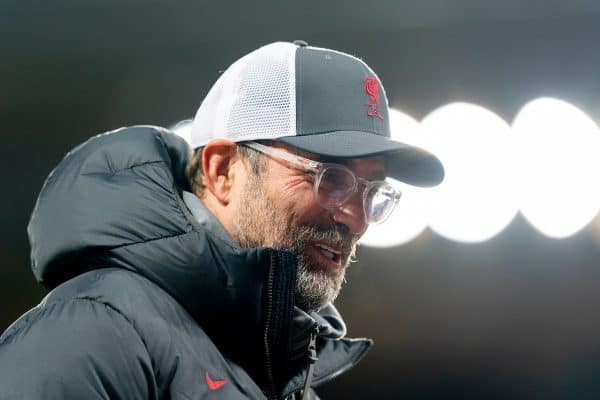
(278, 209)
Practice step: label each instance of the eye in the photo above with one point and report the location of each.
(337, 178)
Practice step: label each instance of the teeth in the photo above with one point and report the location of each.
(328, 251)
(328, 248)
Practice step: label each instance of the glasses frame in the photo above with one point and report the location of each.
(319, 168)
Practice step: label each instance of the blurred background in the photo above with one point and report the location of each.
(487, 287)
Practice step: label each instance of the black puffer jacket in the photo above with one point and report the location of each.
(146, 303)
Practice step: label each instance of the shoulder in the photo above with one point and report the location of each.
(80, 302)
(151, 311)
(126, 292)
(107, 329)
(71, 347)
(112, 324)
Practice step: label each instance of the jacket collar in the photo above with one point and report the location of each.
(205, 218)
(327, 322)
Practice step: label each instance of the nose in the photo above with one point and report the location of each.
(352, 215)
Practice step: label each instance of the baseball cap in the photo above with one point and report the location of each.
(318, 100)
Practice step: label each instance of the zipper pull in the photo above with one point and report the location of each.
(312, 359)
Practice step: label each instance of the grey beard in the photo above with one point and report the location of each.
(260, 223)
(314, 289)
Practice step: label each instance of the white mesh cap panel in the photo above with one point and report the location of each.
(254, 99)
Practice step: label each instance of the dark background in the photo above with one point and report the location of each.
(513, 317)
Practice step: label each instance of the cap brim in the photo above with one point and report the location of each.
(406, 163)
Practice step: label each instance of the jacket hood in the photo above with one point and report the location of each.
(113, 191)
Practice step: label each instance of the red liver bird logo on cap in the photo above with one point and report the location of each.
(372, 89)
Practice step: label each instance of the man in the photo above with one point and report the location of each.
(213, 277)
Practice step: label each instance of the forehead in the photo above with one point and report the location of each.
(372, 167)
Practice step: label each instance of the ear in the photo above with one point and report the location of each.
(219, 160)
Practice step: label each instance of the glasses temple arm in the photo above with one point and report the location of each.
(299, 161)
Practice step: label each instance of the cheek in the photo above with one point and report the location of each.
(306, 210)
(238, 190)
(296, 197)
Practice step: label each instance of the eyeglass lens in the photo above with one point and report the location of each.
(334, 186)
(337, 184)
(379, 202)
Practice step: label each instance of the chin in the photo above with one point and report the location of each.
(316, 288)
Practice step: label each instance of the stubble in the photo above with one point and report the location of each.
(260, 223)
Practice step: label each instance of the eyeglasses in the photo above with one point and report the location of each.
(335, 183)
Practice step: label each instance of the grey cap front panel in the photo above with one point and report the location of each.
(331, 95)
(339, 115)
(406, 163)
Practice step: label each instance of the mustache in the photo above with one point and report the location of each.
(338, 235)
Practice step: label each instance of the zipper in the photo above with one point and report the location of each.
(271, 391)
(338, 372)
(342, 370)
(312, 360)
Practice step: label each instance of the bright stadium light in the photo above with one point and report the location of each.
(476, 199)
(409, 218)
(559, 149)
